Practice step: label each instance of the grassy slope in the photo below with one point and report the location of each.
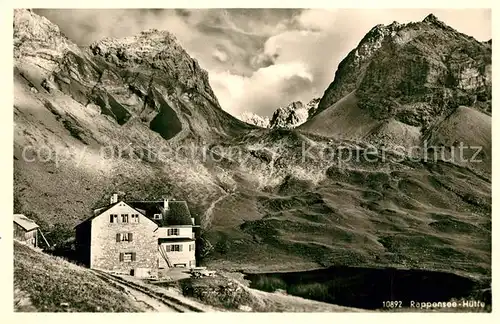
(469, 126)
(345, 119)
(404, 214)
(43, 282)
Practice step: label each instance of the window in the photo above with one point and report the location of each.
(191, 247)
(157, 216)
(124, 237)
(113, 218)
(174, 248)
(128, 257)
(124, 218)
(172, 231)
(135, 218)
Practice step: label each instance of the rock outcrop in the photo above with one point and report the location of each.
(38, 41)
(291, 116)
(254, 119)
(414, 72)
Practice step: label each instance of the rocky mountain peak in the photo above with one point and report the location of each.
(292, 115)
(30, 26)
(146, 44)
(399, 67)
(159, 52)
(38, 40)
(373, 40)
(431, 18)
(254, 119)
(293, 106)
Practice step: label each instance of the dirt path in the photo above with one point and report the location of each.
(153, 300)
(208, 214)
(150, 304)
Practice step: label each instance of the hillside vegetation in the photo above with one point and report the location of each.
(51, 284)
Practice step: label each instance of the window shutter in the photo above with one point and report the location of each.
(180, 247)
(130, 237)
(121, 257)
(118, 237)
(189, 247)
(133, 256)
(111, 218)
(168, 248)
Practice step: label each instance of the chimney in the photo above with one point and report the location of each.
(114, 198)
(165, 204)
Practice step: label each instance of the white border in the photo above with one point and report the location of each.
(6, 165)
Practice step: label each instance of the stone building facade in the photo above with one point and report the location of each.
(137, 237)
(119, 239)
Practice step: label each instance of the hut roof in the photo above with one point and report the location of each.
(25, 222)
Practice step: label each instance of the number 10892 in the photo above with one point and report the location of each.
(392, 304)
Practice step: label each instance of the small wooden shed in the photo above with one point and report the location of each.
(25, 230)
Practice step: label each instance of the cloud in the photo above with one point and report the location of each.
(317, 40)
(220, 55)
(264, 90)
(260, 59)
(320, 19)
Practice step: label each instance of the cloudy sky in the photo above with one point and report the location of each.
(260, 59)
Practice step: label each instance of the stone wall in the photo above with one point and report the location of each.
(105, 250)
